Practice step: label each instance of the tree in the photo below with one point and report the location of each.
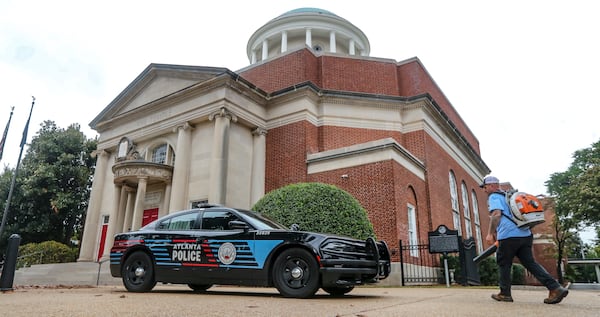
(577, 190)
(53, 186)
(576, 196)
(317, 207)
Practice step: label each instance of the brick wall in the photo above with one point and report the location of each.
(334, 137)
(381, 77)
(383, 189)
(415, 80)
(286, 149)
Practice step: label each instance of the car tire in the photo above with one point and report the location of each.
(200, 287)
(338, 291)
(138, 273)
(296, 273)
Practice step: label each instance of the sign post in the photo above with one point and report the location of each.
(444, 240)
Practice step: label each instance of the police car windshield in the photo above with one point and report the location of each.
(260, 221)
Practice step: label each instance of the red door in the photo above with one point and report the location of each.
(103, 236)
(149, 216)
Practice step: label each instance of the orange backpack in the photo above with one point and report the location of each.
(526, 209)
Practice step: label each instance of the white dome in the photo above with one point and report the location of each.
(318, 29)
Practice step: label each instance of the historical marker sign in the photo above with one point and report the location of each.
(443, 240)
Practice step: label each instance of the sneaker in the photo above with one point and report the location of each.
(556, 295)
(502, 298)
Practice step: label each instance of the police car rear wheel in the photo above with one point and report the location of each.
(296, 274)
(138, 273)
(200, 287)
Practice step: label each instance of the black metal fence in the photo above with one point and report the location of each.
(418, 266)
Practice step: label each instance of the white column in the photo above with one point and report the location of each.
(332, 46)
(265, 49)
(164, 210)
(284, 41)
(351, 50)
(112, 222)
(309, 37)
(90, 237)
(259, 149)
(140, 198)
(218, 164)
(129, 210)
(253, 57)
(122, 208)
(181, 168)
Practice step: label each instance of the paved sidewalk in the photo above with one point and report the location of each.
(167, 300)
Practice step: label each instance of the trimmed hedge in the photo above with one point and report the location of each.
(317, 207)
(46, 252)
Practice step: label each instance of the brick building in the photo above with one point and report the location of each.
(312, 106)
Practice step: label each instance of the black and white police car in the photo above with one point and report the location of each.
(219, 245)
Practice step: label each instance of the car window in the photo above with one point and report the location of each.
(181, 222)
(217, 219)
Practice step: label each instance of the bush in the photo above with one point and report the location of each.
(518, 274)
(317, 207)
(488, 271)
(487, 268)
(46, 252)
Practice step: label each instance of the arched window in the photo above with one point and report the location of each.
(162, 154)
(454, 202)
(413, 233)
(467, 212)
(413, 239)
(477, 223)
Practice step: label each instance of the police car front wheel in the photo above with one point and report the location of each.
(296, 273)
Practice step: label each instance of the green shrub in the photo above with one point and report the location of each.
(317, 207)
(488, 271)
(46, 252)
(453, 264)
(518, 274)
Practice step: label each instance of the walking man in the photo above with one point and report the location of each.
(514, 241)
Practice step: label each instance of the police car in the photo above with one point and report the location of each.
(219, 245)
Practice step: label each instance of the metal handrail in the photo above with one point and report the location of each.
(99, 268)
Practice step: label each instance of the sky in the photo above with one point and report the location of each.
(521, 74)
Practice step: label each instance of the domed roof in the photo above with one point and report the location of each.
(293, 24)
(307, 10)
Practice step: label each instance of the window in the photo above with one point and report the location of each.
(467, 212)
(180, 222)
(159, 154)
(217, 220)
(454, 202)
(477, 223)
(412, 230)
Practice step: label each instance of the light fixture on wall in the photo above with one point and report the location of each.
(344, 175)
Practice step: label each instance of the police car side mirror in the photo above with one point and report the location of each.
(236, 224)
(295, 227)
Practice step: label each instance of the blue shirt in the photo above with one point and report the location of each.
(506, 228)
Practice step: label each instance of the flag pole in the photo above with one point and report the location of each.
(5, 133)
(14, 176)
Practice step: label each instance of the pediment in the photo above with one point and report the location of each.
(155, 82)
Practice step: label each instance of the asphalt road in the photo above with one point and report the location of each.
(166, 300)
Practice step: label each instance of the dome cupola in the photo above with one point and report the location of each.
(318, 29)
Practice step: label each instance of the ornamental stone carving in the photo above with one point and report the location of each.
(131, 171)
